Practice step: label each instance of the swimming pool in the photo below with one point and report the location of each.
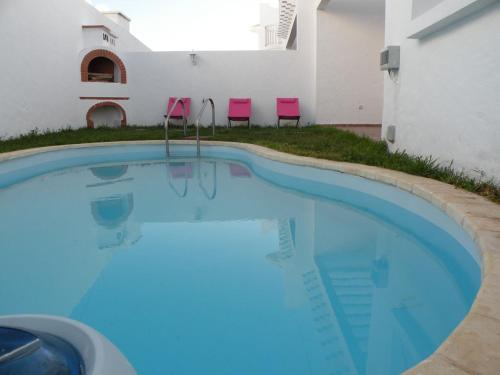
(232, 263)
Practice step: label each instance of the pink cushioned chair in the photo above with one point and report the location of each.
(288, 109)
(177, 113)
(181, 170)
(239, 110)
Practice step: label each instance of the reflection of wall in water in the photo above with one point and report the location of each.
(109, 173)
(377, 286)
(112, 213)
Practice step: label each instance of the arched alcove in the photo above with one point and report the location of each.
(112, 211)
(106, 106)
(103, 66)
(109, 173)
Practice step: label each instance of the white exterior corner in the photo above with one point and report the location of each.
(443, 102)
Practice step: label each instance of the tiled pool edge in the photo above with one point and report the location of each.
(473, 348)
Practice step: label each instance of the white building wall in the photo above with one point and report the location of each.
(349, 81)
(268, 16)
(306, 47)
(260, 75)
(422, 6)
(42, 89)
(445, 102)
(41, 43)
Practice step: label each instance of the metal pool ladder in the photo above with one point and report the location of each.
(205, 102)
(167, 120)
(198, 118)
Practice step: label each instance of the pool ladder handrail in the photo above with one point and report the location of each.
(167, 120)
(198, 118)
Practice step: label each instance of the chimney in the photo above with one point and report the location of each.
(119, 18)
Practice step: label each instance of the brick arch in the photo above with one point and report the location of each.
(90, 122)
(102, 53)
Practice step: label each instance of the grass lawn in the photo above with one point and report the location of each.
(320, 142)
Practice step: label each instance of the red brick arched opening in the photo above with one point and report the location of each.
(90, 121)
(101, 63)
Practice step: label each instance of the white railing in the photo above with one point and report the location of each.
(271, 35)
(272, 40)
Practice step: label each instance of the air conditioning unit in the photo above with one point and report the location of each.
(389, 58)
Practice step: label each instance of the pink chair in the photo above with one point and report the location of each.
(288, 109)
(178, 113)
(181, 170)
(239, 110)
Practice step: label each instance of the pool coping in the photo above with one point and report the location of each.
(473, 347)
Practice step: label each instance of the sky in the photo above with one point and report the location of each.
(181, 25)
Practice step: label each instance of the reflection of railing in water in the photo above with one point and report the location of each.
(200, 183)
(185, 170)
(330, 336)
(286, 243)
(332, 324)
(350, 293)
(184, 174)
(331, 339)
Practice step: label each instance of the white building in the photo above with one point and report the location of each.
(267, 29)
(66, 64)
(445, 100)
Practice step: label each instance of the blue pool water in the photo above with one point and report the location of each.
(232, 264)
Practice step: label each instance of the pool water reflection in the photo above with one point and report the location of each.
(202, 266)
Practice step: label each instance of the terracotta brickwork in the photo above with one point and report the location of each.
(102, 53)
(90, 122)
(104, 97)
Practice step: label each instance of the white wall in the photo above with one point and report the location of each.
(445, 102)
(45, 40)
(349, 81)
(260, 75)
(43, 88)
(422, 6)
(41, 41)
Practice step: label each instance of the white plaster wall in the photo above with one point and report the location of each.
(422, 6)
(42, 88)
(261, 75)
(445, 102)
(40, 64)
(349, 81)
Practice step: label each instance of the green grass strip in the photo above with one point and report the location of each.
(315, 141)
